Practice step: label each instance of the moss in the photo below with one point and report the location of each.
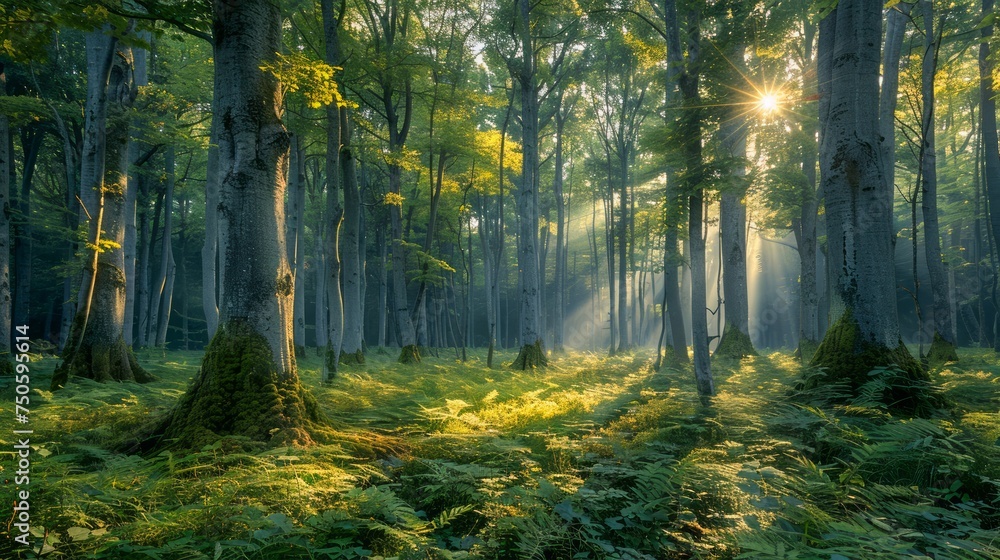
(735, 343)
(941, 352)
(848, 358)
(239, 392)
(352, 358)
(97, 359)
(409, 354)
(300, 351)
(530, 357)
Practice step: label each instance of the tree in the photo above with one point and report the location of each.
(248, 385)
(943, 346)
(865, 334)
(96, 347)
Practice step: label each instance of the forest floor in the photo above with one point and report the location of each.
(593, 457)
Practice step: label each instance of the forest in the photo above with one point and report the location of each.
(499, 280)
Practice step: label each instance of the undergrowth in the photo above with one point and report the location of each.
(592, 457)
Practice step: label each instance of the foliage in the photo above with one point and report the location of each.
(599, 459)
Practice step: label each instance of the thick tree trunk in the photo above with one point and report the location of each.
(865, 333)
(943, 345)
(96, 347)
(248, 384)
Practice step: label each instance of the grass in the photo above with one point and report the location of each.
(593, 457)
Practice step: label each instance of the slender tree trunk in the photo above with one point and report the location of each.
(31, 144)
(131, 195)
(943, 346)
(735, 341)
(991, 150)
(160, 296)
(6, 163)
(353, 272)
(672, 260)
(295, 243)
(210, 250)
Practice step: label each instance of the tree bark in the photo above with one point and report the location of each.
(991, 150)
(210, 249)
(865, 333)
(943, 345)
(351, 352)
(532, 354)
(6, 163)
(248, 384)
(96, 347)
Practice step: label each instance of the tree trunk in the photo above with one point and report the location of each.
(865, 333)
(735, 341)
(131, 195)
(160, 296)
(6, 163)
(672, 260)
(210, 250)
(991, 150)
(532, 354)
(805, 230)
(351, 351)
(295, 240)
(559, 304)
(31, 144)
(248, 384)
(96, 347)
(943, 346)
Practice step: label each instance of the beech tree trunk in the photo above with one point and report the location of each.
(991, 149)
(6, 162)
(865, 330)
(295, 240)
(248, 384)
(943, 345)
(351, 352)
(532, 353)
(96, 347)
(210, 250)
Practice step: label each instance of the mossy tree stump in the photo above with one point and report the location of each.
(941, 352)
(352, 358)
(409, 354)
(531, 356)
(735, 343)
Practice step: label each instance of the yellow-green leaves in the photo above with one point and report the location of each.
(314, 78)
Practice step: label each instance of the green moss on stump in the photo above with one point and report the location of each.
(239, 392)
(735, 343)
(409, 354)
(941, 352)
(848, 358)
(530, 357)
(100, 360)
(352, 358)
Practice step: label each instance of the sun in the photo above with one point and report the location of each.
(768, 103)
